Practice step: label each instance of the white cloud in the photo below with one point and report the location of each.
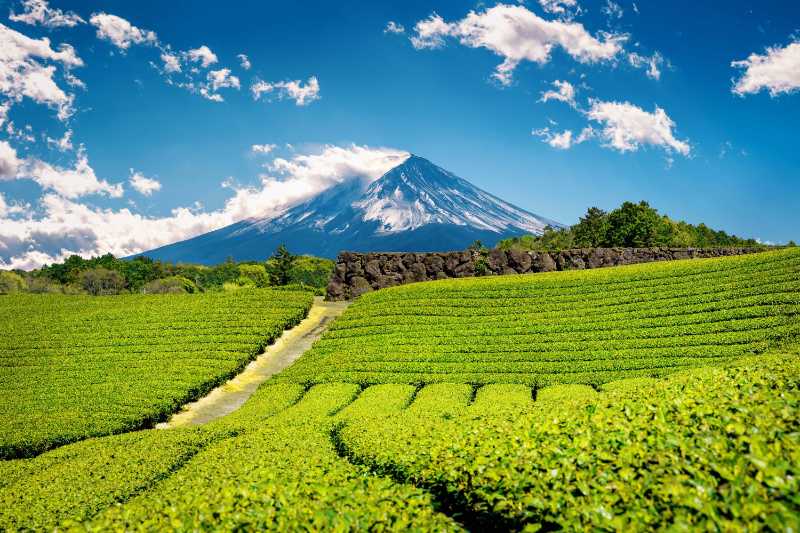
(263, 148)
(565, 139)
(220, 79)
(172, 63)
(120, 32)
(202, 55)
(393, 27)
(244, 61)
(23, 75)
(64, 144)
(627, 127)
(66, 227)
(9, 162)
(4, 109)
(517, 34)
(652, 63)
(565, 92)
(38, 12)
(68, 182)
(563, 8)
(142, 184)
(294, 90)
(778, 71)
(613, 10)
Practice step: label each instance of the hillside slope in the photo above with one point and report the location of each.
(563, 327)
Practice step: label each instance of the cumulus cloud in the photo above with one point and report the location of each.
(65, 226)
(652, 63)
(74, 182)
(777, 71)
(142, 184)
(9, 162)
(393, 27)
(517, 34)
(38, 12)
(24, 73)
(172, 63)
(222, 78)
(244, 61)
(564, 92)
(120, 32)
(202, 55)
(294, 90)
(263, 148)
(626, 127)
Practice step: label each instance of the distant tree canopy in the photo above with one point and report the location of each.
(109, 275)
(630, 225)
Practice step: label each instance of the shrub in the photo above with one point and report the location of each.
(45, 285)
(11, 282)
(171, 285)
(256, 273)
(101, 281)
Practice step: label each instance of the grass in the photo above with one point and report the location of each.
(588, 327)
(72, 367)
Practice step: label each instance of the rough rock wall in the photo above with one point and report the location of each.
(357, 273)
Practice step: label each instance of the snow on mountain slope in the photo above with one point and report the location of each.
(416, 206)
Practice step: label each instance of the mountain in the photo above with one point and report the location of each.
(416, 206)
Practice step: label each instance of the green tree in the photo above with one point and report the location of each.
(279, 266)
(634, 225)
(592, 229)
(99, 281)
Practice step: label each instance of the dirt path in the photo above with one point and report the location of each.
(284, 351)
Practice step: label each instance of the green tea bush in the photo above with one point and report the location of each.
(708, 449)
(589, 327)
(78, 366)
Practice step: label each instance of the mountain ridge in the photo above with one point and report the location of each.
(415, 206)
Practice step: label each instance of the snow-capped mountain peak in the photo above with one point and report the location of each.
(415, 206)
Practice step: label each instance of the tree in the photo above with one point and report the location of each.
(98, 281)
(592, 229)
(634, 225)
(279, 266)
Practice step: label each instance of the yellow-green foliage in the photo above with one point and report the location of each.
(712, 449)
(11, 282)
(77, 366)
(279, 473)
(590, 326)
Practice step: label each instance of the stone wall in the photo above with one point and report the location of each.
(357, 273)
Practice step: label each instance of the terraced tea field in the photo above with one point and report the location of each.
(564, 327)
(707, 439)
(79, 366)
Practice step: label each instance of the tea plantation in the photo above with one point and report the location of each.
(564, 327)
(662, 396)
(78, 366)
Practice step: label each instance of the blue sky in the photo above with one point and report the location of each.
(654, 108)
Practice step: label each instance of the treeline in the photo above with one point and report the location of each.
(109, 275)
(630, 225)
